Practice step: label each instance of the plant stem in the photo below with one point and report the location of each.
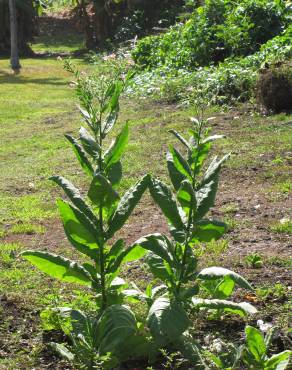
(101, 254)
(190, 218)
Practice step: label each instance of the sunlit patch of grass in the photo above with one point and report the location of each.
(27, 228)
(229, 208)
(7, 253)
(26, 208)
(211, 251)
(284, 226)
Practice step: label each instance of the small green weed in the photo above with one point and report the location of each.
(284, 226)
(254, 260)
(7, 253)
(277, 291)
(27, 228)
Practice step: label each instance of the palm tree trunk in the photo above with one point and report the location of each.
(14, 59)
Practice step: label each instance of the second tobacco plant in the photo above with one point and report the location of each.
(173, 260)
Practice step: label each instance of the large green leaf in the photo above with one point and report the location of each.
(180, 163)
(206, 198)
(212, 138)
(115, 151)
(58, 267)
(101, 192)
(241, 309)
(213, 169)
(167, 319)
(162, 195)
(207, 230)
(75, 197)
(114, 173)
(158, 244)
(160, 268)
(115, 325)
(79, 229)
(175, 176)
(186, 196)
(280, 361)
(126, 206)
(198, 156)
(89, 144)
(255, 343)
(81, 155)
(211, 273)
(129, 254)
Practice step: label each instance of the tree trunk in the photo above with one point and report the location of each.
(14, 59)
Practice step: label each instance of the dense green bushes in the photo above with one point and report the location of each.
(219, 29)
(228, 82)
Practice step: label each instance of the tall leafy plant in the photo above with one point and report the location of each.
(90, 222)
(172, 260)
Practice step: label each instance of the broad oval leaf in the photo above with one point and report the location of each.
(162, 195)
(159, 245)
(89, 144)
(255, 343)
(241, 309)
(116, 324)
(186, 196)
(207, 230)
(115, 151)
(79, 229)
(206, 198)
(58, 267)
(101, 192)
(175, 176)
(81, 155)
(75, 197)
(167, 319)
(180, 163)
(210, 273)
(126, 206)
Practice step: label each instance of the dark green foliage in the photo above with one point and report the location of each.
(219, 29)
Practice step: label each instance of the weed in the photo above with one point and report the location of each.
(254, 260)
(284, 226)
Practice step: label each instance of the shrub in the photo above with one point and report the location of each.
(219, 29)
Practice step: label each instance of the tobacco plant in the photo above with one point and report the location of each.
(91, 221)
(172, 260)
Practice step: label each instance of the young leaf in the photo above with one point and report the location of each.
(162, 195)
(110, 121)
(224, 288)
(181, 139)
(186, 196)
(206, 198)
(101, 192)
(132, 253)
(159, 245)
(75, 197)
(255, 343)
(241, 309)
(213, 138)
(211, 273)
(181, 164)
(160, 268)
(79, 229)
(126, 206)
(175, 176)
(167, 319)
(207, 230)
(114, 153)
(81, 156)
(58, 267)
(89, 143)
(213, 169)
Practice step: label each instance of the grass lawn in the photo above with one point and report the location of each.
(37, 107)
